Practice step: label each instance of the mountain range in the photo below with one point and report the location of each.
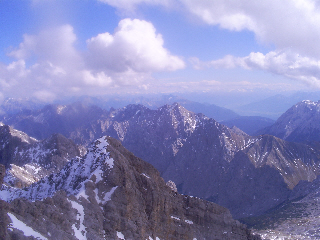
(261, 178)
(274, 106)
(246, 174)
(110, 194)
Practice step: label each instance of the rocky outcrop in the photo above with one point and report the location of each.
(27, 160)
(2, 173)
(112, 194)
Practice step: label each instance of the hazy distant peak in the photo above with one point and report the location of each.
(300, 123)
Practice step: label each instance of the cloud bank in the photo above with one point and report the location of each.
(291, 26)
(284, 63)
(48, 64)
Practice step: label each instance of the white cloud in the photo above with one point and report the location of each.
(130, 6)
(290, 24)
(217, 87)
(285, 63)
(286, 24)
(135, 45)
(55, 45)
(48, 65)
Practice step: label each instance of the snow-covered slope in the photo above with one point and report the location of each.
(71, 178)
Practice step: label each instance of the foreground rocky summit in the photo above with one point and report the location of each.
(111, 194)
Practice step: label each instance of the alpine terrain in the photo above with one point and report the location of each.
(110, 194)
(28, 160)
(248, 175)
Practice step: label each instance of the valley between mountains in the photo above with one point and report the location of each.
(60, 167)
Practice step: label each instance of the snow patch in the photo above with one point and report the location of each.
(27, 231)
(175, 218)
(120, 235)
(80, 232)
(98, 173)
(145, 175)
(188, 221)
(108, 195)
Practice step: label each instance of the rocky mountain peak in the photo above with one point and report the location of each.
(300, 123)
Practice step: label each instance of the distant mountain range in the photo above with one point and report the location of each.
(273, 107)
(248, 175)
(249, 124)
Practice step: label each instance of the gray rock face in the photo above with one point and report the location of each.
(300, 123)
(2, 173)
(111, 194)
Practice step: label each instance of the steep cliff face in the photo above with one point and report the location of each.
(111, 194)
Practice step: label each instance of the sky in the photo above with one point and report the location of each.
(51, 49)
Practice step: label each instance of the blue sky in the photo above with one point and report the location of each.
(51, 49)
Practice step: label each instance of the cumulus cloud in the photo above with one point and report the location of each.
(291, 26)
(55, 45)
(135, 45)
(285, 63)
(48, 65)
(286, 24)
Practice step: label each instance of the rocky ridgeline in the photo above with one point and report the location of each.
(28, 160)
(111, 194)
